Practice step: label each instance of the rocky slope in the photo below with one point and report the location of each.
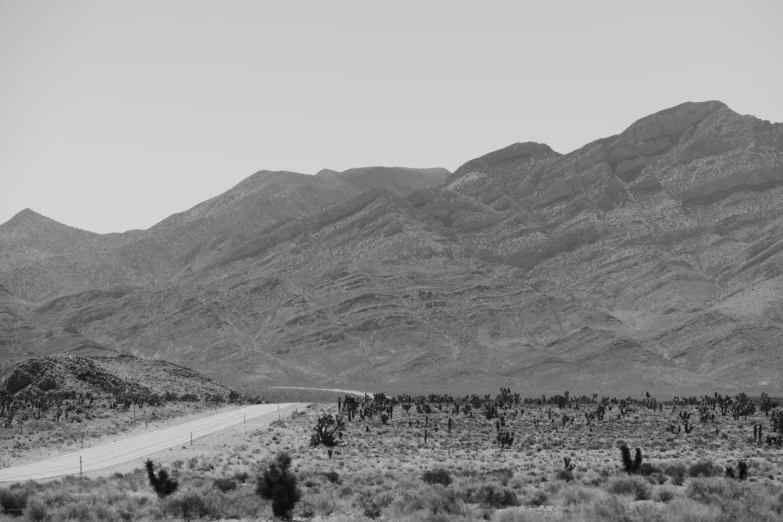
(649, 258)
(42, 259)
(113, 377)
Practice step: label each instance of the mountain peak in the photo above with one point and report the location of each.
(671, 121)
(26, 217)
(28, 224)
(511, 152)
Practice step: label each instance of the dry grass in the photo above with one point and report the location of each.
(389, 473)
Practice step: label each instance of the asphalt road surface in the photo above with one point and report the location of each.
(350, 392)
(100, 457)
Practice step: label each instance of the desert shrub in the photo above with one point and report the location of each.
(737, 501)
(664, 495)
(193, 506)
(610, 509)
(171, 507)
(225, 484)
(503, 475)
(332, 476)
(572, 496)
(276, 482)
(634, 486)
(102, 512)
(647, 469)
(306, 510)
(36, 510)
(537, 499)
(372, 511)
(13, 502)
(323, 504)
(241, 476)
(564, 474)
(492, 496)
(437, 476)
(445, 501)
(704, 468)
(657, 478)
(707, 489)
(519, 516)
(676, 472)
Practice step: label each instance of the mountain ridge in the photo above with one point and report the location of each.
(651, 257)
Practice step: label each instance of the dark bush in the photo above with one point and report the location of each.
(277, 483)
(372, 511)
(634, 486)
(225, 484)
(241, 476)
(665, 495)
(564, 474)
(193, 506)
(538, 498)
(36, 510)
(676, 472)
(437, 476)
(648, 469)
(332, 476)
(704, 468)
(492, 496)
(13, 502)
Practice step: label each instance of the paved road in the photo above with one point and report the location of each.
(99, 457)
(351, 392)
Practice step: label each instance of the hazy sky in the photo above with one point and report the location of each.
(114, 115)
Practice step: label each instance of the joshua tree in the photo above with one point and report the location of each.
(776, 421)
(631, 466)
(568, 465)
(506, 438)
(765, 404)
(743, 470)
(276, 482)
(161, 483)
(326, 430)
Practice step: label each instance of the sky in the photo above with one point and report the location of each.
(115, 115)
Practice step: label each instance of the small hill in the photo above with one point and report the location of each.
(114, 378)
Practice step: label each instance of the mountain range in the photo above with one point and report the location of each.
(649, 258)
